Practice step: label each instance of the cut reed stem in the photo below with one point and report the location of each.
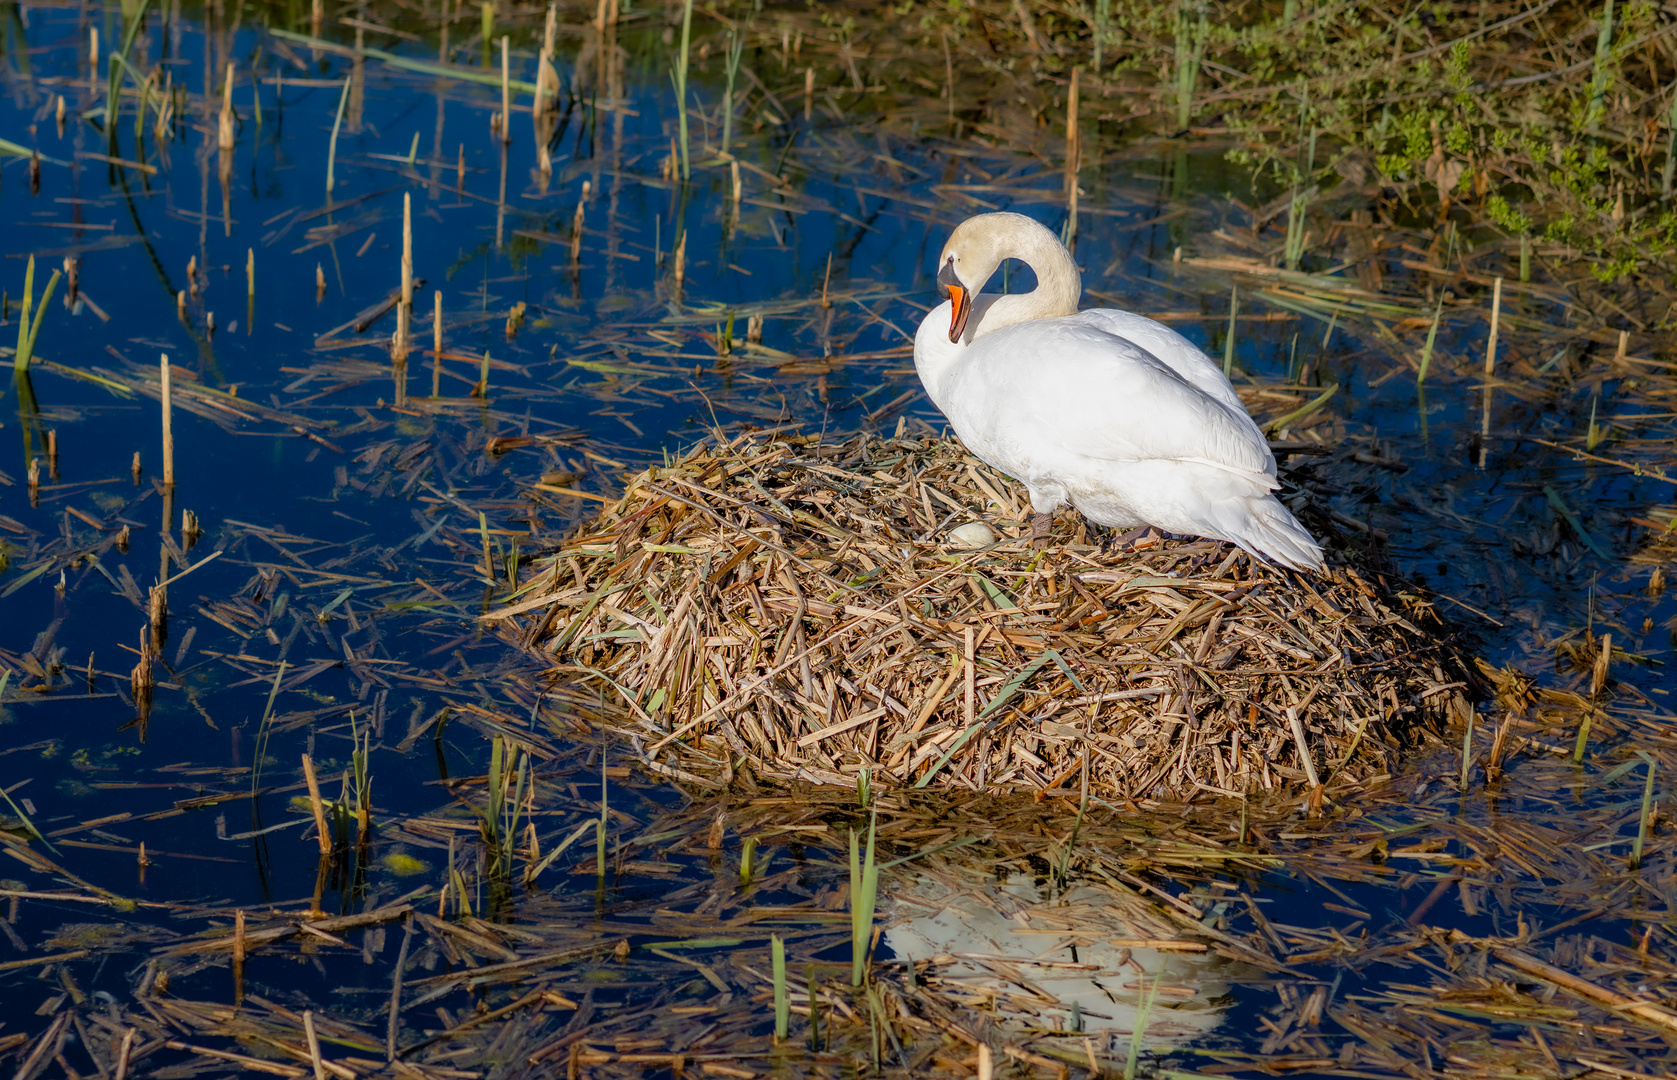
(318, 806)
(166, 395)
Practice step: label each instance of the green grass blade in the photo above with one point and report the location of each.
(782, 1000)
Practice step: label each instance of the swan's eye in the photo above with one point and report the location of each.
(947, 277)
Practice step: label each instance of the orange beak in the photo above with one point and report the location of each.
(960, 306)
(960, 300)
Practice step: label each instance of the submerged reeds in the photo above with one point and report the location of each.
(794, 610)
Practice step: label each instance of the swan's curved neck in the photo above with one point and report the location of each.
(1059, 285)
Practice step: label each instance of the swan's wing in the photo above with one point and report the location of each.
(1064, 387)
(1171, 348)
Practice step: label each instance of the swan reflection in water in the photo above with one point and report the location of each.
(1090, 962)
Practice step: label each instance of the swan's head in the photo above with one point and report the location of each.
(977, 247)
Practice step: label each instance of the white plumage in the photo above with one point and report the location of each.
(1105, 410)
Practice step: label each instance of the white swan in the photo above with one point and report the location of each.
(1116, 414)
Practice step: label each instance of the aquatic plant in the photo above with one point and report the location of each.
(29, 331)
(864, 894)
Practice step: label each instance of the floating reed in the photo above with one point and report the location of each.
(793, 609)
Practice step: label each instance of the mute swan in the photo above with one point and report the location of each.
(1116, 414)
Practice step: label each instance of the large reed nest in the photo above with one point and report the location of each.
(800, 610)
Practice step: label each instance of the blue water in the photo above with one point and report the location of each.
(610, 368)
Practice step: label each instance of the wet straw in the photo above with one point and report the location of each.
(168, 424)
(250, 291)
(127, 1047)
(314, 1045)
(332, 147)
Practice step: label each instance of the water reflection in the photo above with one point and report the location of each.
(1092, 961)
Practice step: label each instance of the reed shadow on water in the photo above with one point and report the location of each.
(322, 753)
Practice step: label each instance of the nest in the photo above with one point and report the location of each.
(800, 610)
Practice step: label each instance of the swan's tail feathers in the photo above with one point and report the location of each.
(1270, 531)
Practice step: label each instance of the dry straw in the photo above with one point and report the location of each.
(792, 609)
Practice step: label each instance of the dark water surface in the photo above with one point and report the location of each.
(346, 532)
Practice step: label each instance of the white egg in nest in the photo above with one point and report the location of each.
(974, 534)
